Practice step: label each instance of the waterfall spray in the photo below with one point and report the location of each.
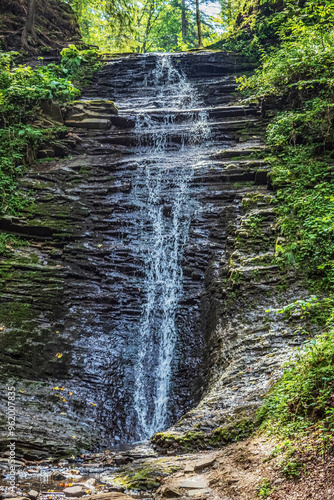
(164, 237)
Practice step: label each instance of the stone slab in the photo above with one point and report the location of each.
(194, 484)
(98, 123)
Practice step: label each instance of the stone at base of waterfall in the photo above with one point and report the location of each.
(200, 494)
(14, 498)
(57, 476)
(188, 468)
(74, 491)
(204, 464)
(111, 495)
(91, 123)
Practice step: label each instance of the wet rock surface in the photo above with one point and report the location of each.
(71, 301)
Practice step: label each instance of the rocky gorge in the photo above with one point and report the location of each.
(139, 306)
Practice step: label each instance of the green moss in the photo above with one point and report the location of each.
(243, 184)
(264, 489)
(143, 477)
(10, 241)
(252, 200)
(15, 313)
(232, 431)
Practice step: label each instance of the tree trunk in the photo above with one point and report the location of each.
(29, 37)
(199, 29)
(184, 20)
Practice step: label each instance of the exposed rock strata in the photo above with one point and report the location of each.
(70, 302)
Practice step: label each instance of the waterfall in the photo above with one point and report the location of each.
(168, 152)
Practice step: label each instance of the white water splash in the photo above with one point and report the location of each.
(167, 169)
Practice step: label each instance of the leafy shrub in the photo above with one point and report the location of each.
(264, 489)
(291, 468)
(22, 89)
(297, 76)
(79, 64)
(304, 395)
(301, 63)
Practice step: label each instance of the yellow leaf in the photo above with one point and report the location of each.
(93, 404)
(59, 355)
(56, 388)
(99, 246)
(70, 393)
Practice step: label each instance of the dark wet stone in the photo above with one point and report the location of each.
(71, 302)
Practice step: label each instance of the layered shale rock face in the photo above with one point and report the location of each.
(150, 266)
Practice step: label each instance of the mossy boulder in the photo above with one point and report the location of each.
(234, 430)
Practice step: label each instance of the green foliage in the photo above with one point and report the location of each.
(17, 144)
(312, 309)
(294, 41)
(306, 210)
(303, 62)
(108, 24)
(291, 468)
(80, 65)
(256, 27)
(300, 73)
(303, 397)
(150, 25)
(253, 223)
(264, 489)
(22, 89)
(10, 241)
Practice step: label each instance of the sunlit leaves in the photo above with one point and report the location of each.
(142, 26)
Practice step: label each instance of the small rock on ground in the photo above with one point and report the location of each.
(74, 491)
(33, 494)
(203, 464)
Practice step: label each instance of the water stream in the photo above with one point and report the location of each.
(165, 171)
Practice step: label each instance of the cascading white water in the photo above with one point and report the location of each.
(167, 168)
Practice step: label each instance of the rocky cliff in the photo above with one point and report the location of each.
(72, 301)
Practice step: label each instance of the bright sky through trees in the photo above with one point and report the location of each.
(147, 25)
